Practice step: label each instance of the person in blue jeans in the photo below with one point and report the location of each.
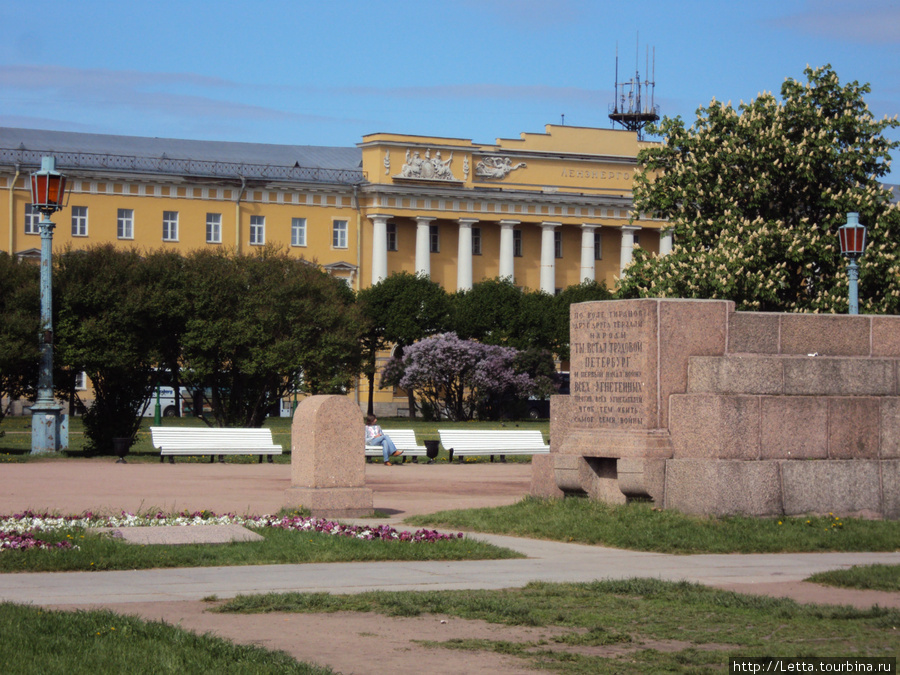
(375, 436)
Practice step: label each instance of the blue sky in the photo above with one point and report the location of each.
(326, 72)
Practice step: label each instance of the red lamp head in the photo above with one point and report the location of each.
(853, 237)
(48, 187)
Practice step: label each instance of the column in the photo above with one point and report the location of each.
(588, 264)
(627, 247)
(665, 242)
(379, 247)
(464, 258)
(548, 257)
(423, 245)
(507, 255)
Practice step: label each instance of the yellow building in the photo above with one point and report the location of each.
(547, 209)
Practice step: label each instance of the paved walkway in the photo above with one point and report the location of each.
(76, 486)
(369, 644)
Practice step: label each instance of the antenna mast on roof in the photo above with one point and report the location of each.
(631, 108)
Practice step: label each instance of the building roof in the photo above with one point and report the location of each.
(170, 155)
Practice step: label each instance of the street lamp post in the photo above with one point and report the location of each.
(49, 427)
(853, 244)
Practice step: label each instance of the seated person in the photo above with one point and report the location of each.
(375, 436)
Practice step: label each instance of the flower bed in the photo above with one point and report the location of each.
(18, 531)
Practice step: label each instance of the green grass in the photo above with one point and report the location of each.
(15, 443)
(102, 552)
(641, 527)
(866, 577)
(631, 626)
(35, 640)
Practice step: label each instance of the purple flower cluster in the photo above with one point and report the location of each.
(454, 375)
(27, 540)
(17, 531)
(380, 532)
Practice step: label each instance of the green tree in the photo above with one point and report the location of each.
(105, 329)
(19, 328)
(755, 196)
(400, 310)
(257, 323)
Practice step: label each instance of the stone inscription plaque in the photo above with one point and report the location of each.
(613, 363)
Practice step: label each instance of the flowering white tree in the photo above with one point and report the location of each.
(755, 196)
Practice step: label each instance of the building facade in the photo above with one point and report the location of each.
(547, 209)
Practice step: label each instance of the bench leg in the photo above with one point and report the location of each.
(451, 455)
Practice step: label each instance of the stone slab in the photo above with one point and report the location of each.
(754, 332)
(889, 448)
(715, 426)
(886, 336)
(743, 374)
(890, 486)
(179, 535)
(793, 427)
(723, 487)
(543, 477)
(842, 487)
(853, 427)
(687, 328)
(825, 376)
(825, 334)
(327, 437)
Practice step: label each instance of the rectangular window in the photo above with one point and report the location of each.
(598, 246)
(391, 237)
(435, 238)
(170, 225)
(637, 239)
(257, 230)
(557, 244)
(213, 228)
(339, 234)
(79, 221)
(298, 231)
(125, 224)
(32, 218)
(80, 381)
(476, 241)
(517, 243)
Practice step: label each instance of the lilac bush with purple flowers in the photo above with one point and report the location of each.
(454, 376)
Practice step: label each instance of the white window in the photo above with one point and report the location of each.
(517, 243)
(339, 237)
(213, 228)
(32, 218)
(170, 226)
(257, 230)
(557, 244)
(435, 238)
(598, 246)
(391, 237)
(125, 224)
(79, 221)
(298, 231)
(476, 241)
(81, 381)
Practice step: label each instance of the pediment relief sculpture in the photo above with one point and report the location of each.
(496, 167)
(427, 168)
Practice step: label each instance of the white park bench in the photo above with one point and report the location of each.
(471, 442)
(179, 441)
(404, 439)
